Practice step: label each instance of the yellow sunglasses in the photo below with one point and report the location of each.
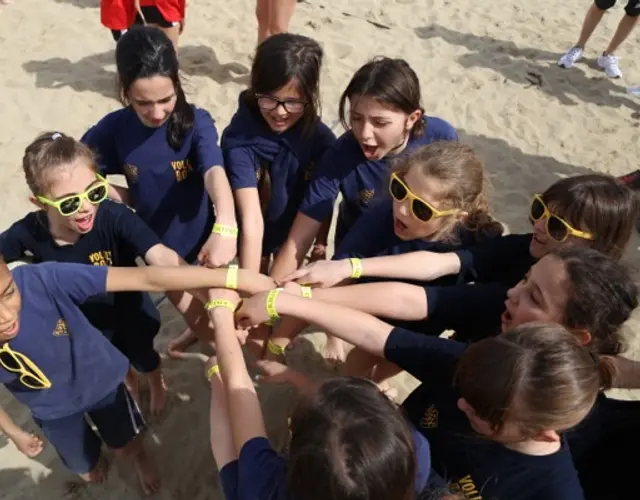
(557, 228)
(30, 375)
(420, 209)
(70, 205)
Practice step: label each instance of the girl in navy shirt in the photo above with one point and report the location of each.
(385, 119)
(62, 368)
(167, 150)
(534, 462)
(437, 203)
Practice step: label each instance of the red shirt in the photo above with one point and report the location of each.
(121, 14)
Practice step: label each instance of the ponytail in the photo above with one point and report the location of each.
(481, 222)
(180, 121)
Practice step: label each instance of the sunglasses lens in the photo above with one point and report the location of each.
(97, 194)
(31, 381)
(422, 211)
(70, 206)
(9, 362)
(537, 209)
(398, 191)
(557, 230)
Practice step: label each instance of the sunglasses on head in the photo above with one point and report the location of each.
(557, 228)
(419, 208)
(269, 103)
(69, 205)
(30, 375)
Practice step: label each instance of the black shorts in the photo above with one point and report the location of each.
(152, 16)
(632, 9)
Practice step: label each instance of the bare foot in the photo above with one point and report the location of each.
(334, 350)
(132, 384)
(157, 392)
(177, 346)
(99, 473)
(147, 472)
(29, 444)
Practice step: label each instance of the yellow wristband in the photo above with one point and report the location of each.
(271, 303)
(275, 348)
(232, 277)
(225, 231)
(214, 370)
(356, 268)
(306, 291)
(212, 304)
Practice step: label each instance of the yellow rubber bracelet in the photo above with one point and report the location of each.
(356, 268)
(306, 291)
(212, 304)
(275, 348)
(214, 370)
(232, 277)
(271, 303)
(224, 230)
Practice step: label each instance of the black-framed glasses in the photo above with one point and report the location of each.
(269, 103)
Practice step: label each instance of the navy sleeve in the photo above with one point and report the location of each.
(240, 165)
(427, 358)
(14, 241)
(229, 480)
(440, 130)
(205, 142)
(101, 139)
(262, 472)
(370, 235)
(131, 229)
(324, 187)
(77, 281)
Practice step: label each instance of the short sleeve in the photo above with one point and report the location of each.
(262, 472)
(240, 164)
(440, 130)
(324, 187)
(77, 281)
(428, 358)
(101, 139)
(131, 229)
(205, 141)
(229, 480)
(15, 241)
(367, 237)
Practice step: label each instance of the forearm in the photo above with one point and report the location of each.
(355, 327)
(292, 252)
(322, 238)
(219, 189)
(420, 266)
(7, 425)
(251, 247)
(221, 433)
(119, 194)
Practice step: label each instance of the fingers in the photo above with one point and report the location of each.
(295, 276)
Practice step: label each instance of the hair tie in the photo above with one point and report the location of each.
(56, 135)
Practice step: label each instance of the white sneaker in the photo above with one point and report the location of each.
(573, 55)
(609, 63)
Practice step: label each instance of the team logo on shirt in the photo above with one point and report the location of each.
(430, 418)
(466, 487)
(131, 173)
(60, 329)
(101, 258)
(181, 169)
(366, 195)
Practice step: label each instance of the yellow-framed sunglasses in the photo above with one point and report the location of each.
(30, 375)
(69, 205)
(419, 208)
(557, 228)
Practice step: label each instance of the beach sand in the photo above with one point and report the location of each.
(487, 67)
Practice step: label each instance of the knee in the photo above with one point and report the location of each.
(604, 4)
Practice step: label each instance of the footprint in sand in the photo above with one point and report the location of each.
(341, 50)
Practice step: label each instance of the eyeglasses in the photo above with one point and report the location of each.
(70, 205)
(269, 103)
(557, 228)
(420, 209)
(30, 375)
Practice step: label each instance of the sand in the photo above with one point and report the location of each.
(487, 67)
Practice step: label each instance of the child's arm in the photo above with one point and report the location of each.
(222, 446)
(119, 194)
(252, 228)
(296, 246)
(277, 373)
(29, 444)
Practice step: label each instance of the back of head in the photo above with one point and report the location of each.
(49, 152)
(287, 57)
(599, 204)
(391, 82)
(537, 375)
(349, 442)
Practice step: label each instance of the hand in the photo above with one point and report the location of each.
(218, 251)
(29, 444)
(272, 371)
(253, 311)
(321, 274)
(318, 252)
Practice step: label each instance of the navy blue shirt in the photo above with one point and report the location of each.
(118, 236)
(166, 185)
(344, 169)
(251, 149)
(475, 466)
(82, 365)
